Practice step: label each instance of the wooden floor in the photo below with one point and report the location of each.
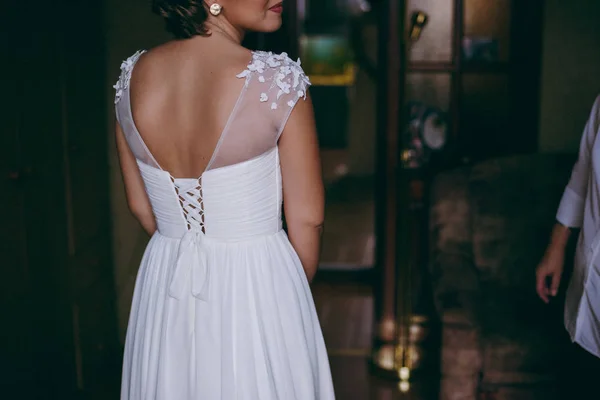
(346, 313)
(353, 381)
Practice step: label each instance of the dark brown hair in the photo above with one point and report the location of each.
(183, 18)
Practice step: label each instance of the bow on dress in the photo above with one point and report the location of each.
(191, 264)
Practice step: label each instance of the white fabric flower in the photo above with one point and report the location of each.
(125, 77)
(284, 75)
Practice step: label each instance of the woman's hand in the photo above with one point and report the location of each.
(550, 269)
(548, 274)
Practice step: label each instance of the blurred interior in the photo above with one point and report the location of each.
(419, 105)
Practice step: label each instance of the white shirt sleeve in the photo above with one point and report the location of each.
(570, 210)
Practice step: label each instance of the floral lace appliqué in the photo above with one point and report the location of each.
(126, 69)
(287, 77)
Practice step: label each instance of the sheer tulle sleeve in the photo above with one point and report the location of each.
(124, 116)
(273, 85)
(281, 83)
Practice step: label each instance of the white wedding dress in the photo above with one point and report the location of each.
(222, 309)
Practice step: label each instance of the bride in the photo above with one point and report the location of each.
(215, 142)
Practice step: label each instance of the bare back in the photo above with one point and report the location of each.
(195, 105)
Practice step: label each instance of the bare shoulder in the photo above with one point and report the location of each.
(196, 54)
(156, 59)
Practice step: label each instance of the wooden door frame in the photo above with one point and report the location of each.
(390, 97)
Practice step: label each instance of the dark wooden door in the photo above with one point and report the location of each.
(86, 193)
(59, 337)
(34, 299)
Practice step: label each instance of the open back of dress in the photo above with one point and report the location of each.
(273, 85)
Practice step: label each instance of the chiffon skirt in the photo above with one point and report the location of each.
(244, 327)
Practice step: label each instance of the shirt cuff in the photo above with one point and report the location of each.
(570, 210)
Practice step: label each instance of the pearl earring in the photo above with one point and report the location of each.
(215, 9)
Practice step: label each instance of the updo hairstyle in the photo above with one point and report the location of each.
(183, 18)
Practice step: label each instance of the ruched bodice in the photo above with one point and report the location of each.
(239, 201)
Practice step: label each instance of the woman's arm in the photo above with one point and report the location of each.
(137, 199)
(303, 192)
(550, 269)
(570, 210)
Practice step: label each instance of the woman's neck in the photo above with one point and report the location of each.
(226, 30)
